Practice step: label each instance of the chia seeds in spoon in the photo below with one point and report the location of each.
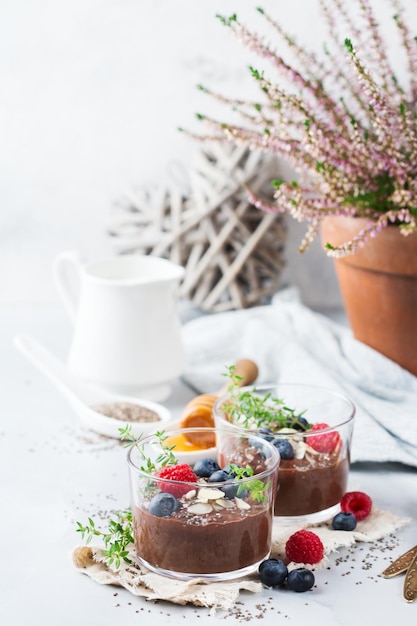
(127, 412)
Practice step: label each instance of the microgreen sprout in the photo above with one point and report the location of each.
(256, 487)
(240, 472)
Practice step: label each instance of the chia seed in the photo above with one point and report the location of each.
(127, 412)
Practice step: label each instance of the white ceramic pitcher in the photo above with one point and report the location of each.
(127, 333)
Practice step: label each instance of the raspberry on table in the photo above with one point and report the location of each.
(304, 546)
(358, 503)
(180, 473)
(327, 442)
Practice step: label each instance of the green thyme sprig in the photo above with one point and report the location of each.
(256, 487)
(119, 534)
(250, 408)
(235, 379)
(117, 538)
(166, 456)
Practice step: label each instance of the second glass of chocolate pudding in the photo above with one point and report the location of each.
(311, 427)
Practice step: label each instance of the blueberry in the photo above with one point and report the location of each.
(205, 467)
(163, 504)
(219, 476)
(234, 491)
(230, 491)
(300, 423)
(265, 433)
(258, 444)
(344, 521)
(272, 572)
(284, 448)
(242, 492)
(300, 579)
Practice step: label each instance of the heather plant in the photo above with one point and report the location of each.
(344, 121)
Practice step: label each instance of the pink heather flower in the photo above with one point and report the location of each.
(344, 121)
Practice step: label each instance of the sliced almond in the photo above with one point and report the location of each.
(300, 450)
(200, 508)
(190, 494)
(242, 504)
(311, 450)
(288, 431)
(225, 504)
(205, 494)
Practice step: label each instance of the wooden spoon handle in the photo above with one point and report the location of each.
(199, 411)
(247, 370)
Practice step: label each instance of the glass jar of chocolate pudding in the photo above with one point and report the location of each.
(209, 519)
(312, 428)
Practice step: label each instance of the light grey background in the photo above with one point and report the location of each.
(92, 93)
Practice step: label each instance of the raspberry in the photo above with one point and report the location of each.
(304, 546)
(327, 442)
(181, 473)
(358, 503)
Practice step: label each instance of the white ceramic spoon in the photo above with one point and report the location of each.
(83, 396)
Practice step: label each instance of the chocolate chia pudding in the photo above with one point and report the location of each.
(311, 427)
(308, 486)
(221, 541)
(211, 519)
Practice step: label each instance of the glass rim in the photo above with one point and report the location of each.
(272, 466)
(263, 387)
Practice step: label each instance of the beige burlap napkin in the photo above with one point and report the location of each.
(379, 524)
(141, 582)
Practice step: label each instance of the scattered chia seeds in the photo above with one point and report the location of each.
(127, 412)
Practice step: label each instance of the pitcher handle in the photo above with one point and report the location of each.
(67, 273)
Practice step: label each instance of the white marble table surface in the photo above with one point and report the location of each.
(53, 473)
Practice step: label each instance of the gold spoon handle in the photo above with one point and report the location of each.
(400, 565)
(410, 582)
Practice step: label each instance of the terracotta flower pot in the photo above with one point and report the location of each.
(379, 288)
